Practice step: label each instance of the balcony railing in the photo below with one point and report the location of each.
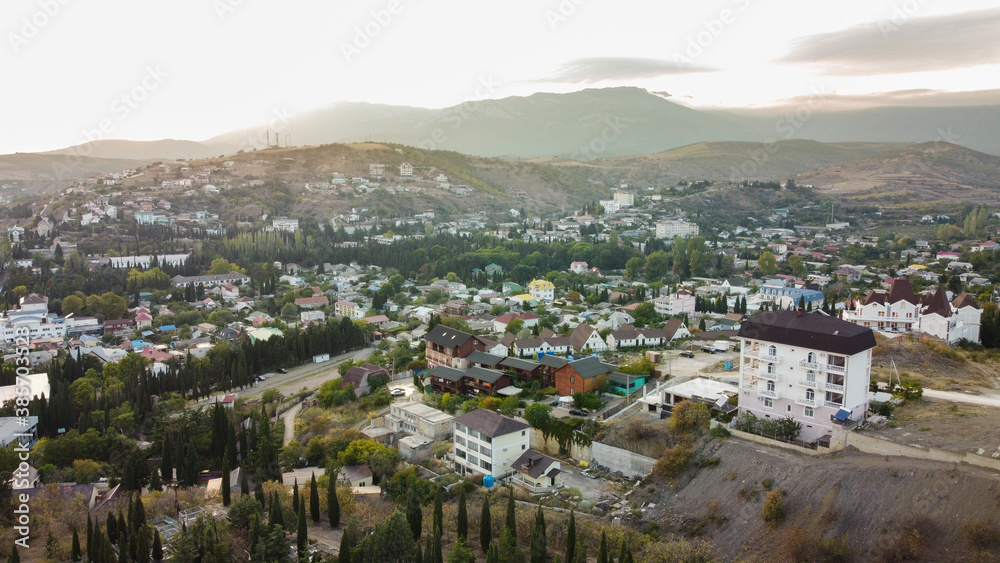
(806, 401)
(833, 387)
(808, 365)
(832, 404)
(807, 383)
(765, 357)
(765, 392)
(770, 376)
(835, 368)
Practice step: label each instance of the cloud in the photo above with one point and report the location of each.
(598, 69)
(902, 44)
(916, 98)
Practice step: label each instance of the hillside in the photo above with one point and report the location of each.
(720, 161)
(912, 177)
(168, 149)
(42, 173)
(873, 503)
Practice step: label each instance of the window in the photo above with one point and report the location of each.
(768, 403)
(810, 395)
(572, 391)
(572, 379)
(771, 370)
(523, 447)
(811, 376)
(808, 411)
(772, 351)
(522, 432)
(788, 408)
(770, 386)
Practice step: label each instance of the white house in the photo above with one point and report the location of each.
(679, 303)
(951, 322)
(808, 366)
(542, 290)
(895, 311)
(420, 420)
(488, 443)
(586, 339)
(579, 267)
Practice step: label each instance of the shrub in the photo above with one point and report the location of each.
(981, 535)
(719, 432)
(774, 508)
(708, 462)
(882, 408)
(689, 417)
(906, 547)
(835, 550)
(674, 461)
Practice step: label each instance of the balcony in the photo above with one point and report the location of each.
(833, 387)
(835, 368)
(808, 365)
(807, 383)
(765, 357)
(770, 376)
(765, 392)
(832, 404)
(805, 401)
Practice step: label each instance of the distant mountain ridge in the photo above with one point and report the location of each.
(584, 125)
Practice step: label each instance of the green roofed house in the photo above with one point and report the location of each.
(511, 287)
(494, 268)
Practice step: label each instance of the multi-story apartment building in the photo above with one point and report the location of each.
(542, 290)
(488, 443)
(808, 366)
(679, 303)
(676, 228)
(624, 199)
(419, 419)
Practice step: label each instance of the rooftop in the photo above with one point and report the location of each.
(490, 423)
(813, 330)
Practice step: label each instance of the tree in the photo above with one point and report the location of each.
(154, 481)
(571, 538)
(767, 263)
(226, 500)
(349, 540)
(510, 521)
(242, 512)
(632, 267)
(774, 507)
(332, 503)
(414, 514)
(391, 541)
(460, 552)
(301, 533)
(485, 526)
(276, 517)
(602, 551)
(157, 546)
(75, 554)
(539, 547)
(463, 516)
(167, 460)
(538, 415)
(313, 499)
(515, 326)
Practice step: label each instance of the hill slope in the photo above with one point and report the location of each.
(41, 173)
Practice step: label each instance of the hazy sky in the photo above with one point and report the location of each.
(193, 69)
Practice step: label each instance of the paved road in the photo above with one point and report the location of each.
(308, 376)
(984, 400)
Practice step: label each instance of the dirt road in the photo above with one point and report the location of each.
(984, 400)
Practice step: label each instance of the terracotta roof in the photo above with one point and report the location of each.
(902, 291)
(937, 303)
(490, 423)
(965, 300)
(814, 330)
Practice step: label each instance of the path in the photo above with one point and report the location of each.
(289, 418)
(984, 400)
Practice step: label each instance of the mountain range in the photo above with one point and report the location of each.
(584, 125)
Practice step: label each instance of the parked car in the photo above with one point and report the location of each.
(578, 412)
(708, 349)
(397, 392)
(282, 370)
(687, 354)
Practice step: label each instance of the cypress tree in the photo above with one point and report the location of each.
(348, 540)
(167, 461)
(571, 538)
(301, 536)
(90, 536)
(429, 549)
(463, 516)
(602, 551)
(510, 522)
(76, 554)
(414, 515)
(485, 526)
(157, 546)
(313, 499)
(492, 555)
(295, 496)
(438, 512)
(15, 557)
(276, 517)
(539, 546)
(332, 503)
(258, 489)
(438, 548)
(111, 523)
(622, 551)
(419, 557)
(225, 482)
(155, 484)
(244, 483)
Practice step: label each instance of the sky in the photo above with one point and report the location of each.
(192, 69)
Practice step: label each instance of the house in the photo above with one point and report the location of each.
(675, 330)
(212, 280)
(455, 307)
(450, 347)
(500, 323)
(114, 326)
(537, 472)
(493, 269)
(789, 297)
(525, 371)
(488, 443)
(355, 475)
(896, 311)
(950, 321)
(344, 308)
(446, 379)
(549, 344)
(542, 290)
(988, 246)
(585, 339)
(578, 267)
(712, 393)
(419, 419)
(581, 376)
(406, 170)
(315, 303)
(229, 292)
(484, 381)
(808, 366)
(358, 376)
(630, 337)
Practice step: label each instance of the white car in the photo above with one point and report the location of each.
(397, 392)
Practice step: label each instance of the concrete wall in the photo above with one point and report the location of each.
(616, 459)
(872, 445)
